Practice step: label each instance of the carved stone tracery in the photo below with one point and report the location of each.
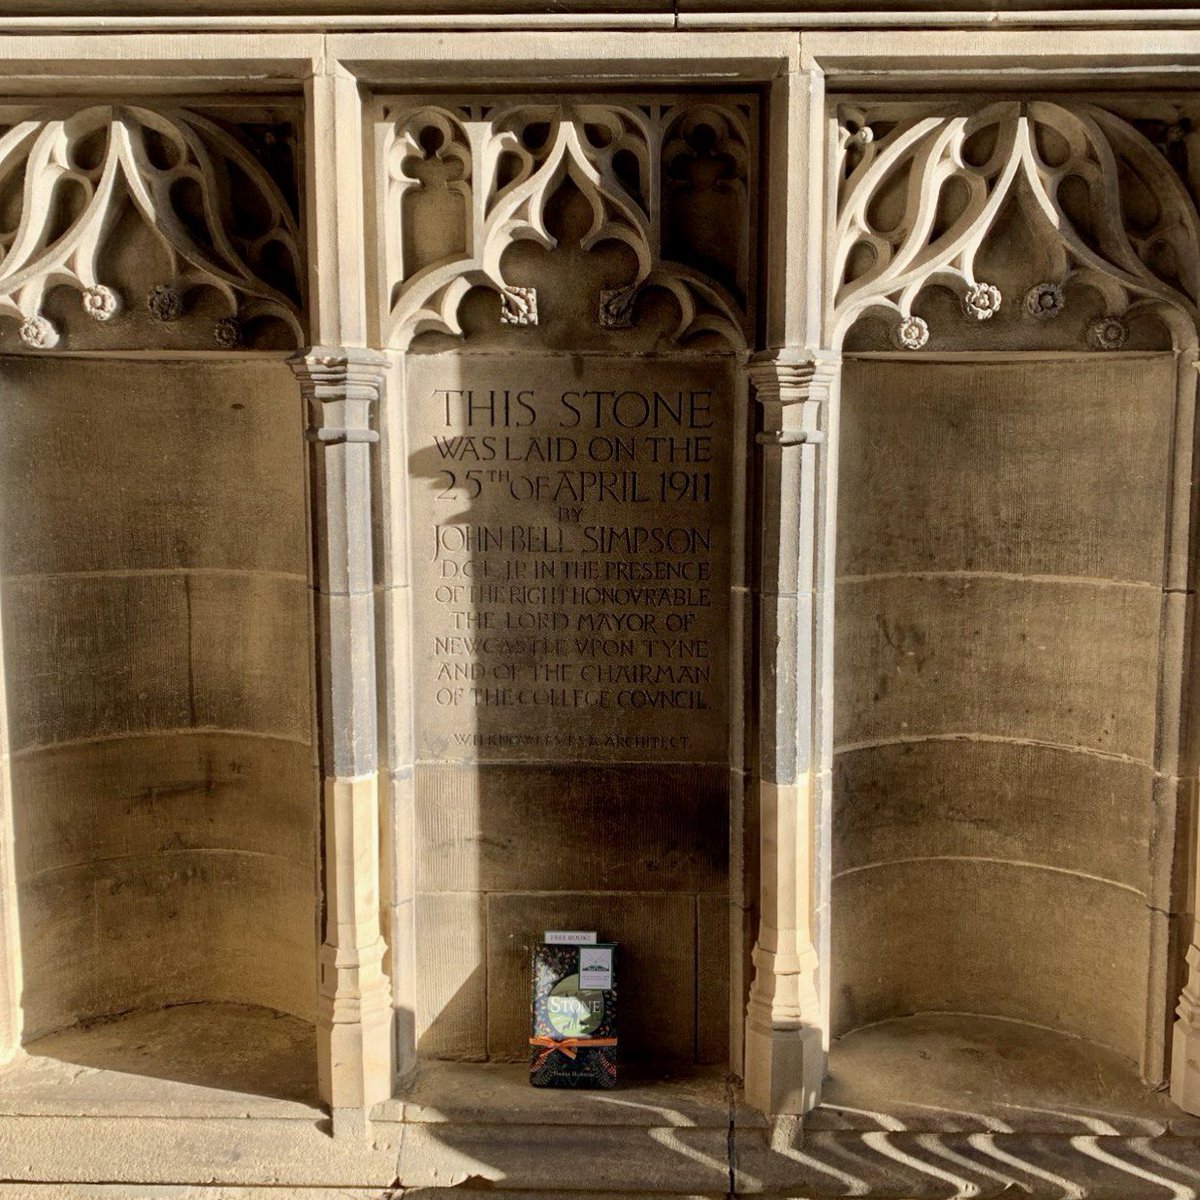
(222, 221)
(670, 181)
(920, 190)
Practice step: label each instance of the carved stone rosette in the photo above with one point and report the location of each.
(670, 181)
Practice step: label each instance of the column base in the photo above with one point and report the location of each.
(784, 1069)
(1185, 1066)
(355, 1060)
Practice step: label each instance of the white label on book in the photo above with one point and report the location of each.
(569, 937)
(595, 968)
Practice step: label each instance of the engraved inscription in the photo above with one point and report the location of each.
(570, 543)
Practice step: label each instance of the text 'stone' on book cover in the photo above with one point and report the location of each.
(573, 1036)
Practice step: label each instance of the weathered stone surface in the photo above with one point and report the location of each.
(485, 1093)
(503, 828)
(117, 648)
(150, 465)
(462, 1193)
(166, 929)
(993, 799)
(986, 1074)
(141, 797)
(1069, 663)
(452, 983)
(679, 1158)
(217, 1150)
(894, 1165)
(713, 964)
(1009, 468)
(1000, 632)
(156, 610)
(251, 650)
(1027, 926)
(187, 1061)
(167, 1191)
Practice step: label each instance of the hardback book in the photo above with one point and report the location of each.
(573, 1032)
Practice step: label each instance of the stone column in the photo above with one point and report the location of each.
(785, 1026)
(354, 1023)
(1177, 756)
(1185, 1039)
(10, 931)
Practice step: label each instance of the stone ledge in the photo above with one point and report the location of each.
(465, 1131)
(499, 1094)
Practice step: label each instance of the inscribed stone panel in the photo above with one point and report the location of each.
(571, 551)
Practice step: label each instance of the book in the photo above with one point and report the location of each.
(573, 1027)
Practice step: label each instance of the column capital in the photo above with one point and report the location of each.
(341, 375)
(792, 377)
(336, 366)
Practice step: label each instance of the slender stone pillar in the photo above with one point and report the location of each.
(354, 1033)
(1185, 1036)
(785, 1040)
(1185, 1040)
(10, 933)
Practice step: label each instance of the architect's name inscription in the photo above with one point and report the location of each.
(570, 544)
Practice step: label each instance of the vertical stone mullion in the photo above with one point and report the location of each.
(785, 1057)
(335, 208)
(1178, 755)
(10, 931)
(354, 1034)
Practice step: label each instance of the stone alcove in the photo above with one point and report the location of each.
(539, 247)
(1007, 839)
(161, 813)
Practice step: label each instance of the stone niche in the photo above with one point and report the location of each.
(157, 659)
(1003, 843)
(566, 481)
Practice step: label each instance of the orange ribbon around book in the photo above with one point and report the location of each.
(568, 1046)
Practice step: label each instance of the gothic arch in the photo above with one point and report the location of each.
(505, 163)
(1108, 207)
(74, 175)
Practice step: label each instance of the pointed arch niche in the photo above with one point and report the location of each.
(1014, 292)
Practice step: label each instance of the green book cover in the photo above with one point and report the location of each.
(573, 1029)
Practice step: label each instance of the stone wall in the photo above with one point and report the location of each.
(155, 608)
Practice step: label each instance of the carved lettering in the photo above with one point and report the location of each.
(571, 530)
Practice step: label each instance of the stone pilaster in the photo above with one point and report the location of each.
(1185, 1036)
(10, 930)
(354, 1034)
(10, 934)
(785, 1057)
